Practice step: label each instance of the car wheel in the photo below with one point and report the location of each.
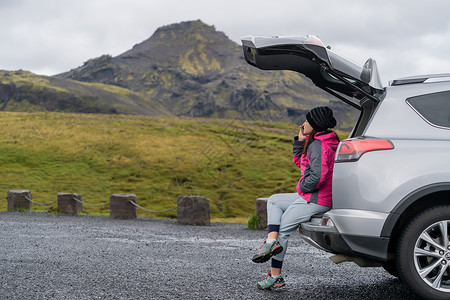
(391, 268)
(423, 253)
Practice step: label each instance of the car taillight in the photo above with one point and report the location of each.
(353, 149)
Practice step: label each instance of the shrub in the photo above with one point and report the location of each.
(253, 222)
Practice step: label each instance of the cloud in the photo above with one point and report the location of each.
(53, 36)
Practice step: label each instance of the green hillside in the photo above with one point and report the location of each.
(231, 162)
(28, 92)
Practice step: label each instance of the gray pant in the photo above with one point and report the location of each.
(288, 211)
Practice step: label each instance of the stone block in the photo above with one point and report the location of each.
(261, 211)
(120, 206)
(193, 210)
(67, 204)
(19, 200)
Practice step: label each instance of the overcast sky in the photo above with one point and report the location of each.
(48, 37)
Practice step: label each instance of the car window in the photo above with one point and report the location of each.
(434, 108)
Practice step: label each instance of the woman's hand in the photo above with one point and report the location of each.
(301, 135)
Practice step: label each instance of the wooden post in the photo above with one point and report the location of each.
(120, 206)
(18, 200)
(67, 204)
(193, 210)
(261, 211)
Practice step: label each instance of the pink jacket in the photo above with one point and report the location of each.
(315, 185)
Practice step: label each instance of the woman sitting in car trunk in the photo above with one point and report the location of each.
(314, 149)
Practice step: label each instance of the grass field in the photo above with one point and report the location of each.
(230, 162)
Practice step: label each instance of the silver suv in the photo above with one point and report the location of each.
(391, 181)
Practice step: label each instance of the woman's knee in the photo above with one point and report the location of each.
(273, 199)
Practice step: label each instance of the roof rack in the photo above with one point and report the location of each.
(421, 79)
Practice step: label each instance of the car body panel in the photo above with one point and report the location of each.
(396, 119)
(420, 193)
(328, 238)
(308, 56)
(371, 183)
(357, 221)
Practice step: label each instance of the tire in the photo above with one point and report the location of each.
(391, 268)
(424, 248)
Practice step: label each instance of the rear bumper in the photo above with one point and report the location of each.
(329, 239)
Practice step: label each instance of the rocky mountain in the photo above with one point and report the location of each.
(191, 69)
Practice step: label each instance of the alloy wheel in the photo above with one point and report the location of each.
(432, 256)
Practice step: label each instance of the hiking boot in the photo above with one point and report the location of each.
(266, 251)
(270, 282)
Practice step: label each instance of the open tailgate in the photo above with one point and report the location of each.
(309, 56)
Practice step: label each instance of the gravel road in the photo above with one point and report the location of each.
(45, 256)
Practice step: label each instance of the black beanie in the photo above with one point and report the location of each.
(321, 118)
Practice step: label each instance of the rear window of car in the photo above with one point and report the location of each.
(434, 108)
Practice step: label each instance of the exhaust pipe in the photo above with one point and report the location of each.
(362, 262)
